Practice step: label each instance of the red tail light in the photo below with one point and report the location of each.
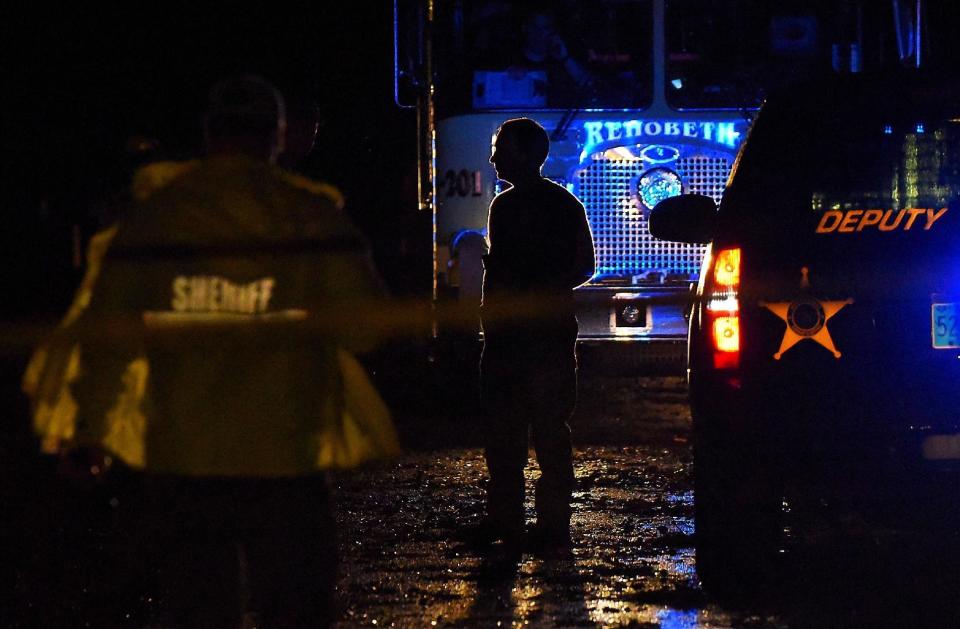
(723, 308)
(726, 270)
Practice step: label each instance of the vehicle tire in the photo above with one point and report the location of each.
(738, 500)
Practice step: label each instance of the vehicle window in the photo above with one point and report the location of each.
(565, 54)
(729, 53)
(723, 54)
(797, 168)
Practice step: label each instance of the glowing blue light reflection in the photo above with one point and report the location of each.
(658, 154)
(657, 184)
(678, 619)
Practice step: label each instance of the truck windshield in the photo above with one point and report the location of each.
(722, 54)
(730, 53)
(878, 157)
(565, 54)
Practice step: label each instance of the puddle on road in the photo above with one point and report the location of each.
(632, 565)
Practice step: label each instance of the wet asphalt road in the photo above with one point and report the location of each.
(633, 563)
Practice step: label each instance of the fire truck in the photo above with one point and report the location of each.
(643, 100)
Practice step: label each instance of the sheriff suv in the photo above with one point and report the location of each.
(824, 347)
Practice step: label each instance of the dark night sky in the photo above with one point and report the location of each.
(86, 77)
(93, 76)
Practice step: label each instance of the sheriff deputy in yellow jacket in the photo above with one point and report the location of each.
(209, 354)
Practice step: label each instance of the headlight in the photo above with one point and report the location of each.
(657, 184)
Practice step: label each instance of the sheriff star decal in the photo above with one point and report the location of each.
(806, 318)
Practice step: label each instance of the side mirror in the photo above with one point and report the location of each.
(685, 218)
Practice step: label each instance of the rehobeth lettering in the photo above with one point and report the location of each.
(849, 221)
(209, 293)
(604, 131)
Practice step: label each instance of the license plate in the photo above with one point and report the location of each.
(945, 328)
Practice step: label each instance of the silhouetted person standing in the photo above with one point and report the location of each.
(540, 250)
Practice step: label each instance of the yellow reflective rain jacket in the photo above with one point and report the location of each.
(209, 335)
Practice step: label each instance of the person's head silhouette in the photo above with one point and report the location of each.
(541, 39)
(519, 150)
(246, 115)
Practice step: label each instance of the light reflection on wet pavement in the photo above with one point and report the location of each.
(632, 564)
(631, 541)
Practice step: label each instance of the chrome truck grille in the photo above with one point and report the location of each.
(624, 246)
